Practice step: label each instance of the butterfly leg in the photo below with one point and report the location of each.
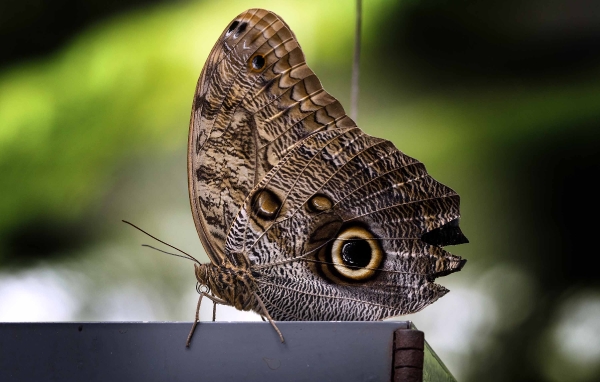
(197, 318)
(264, 309)
(214, 311)
(215, 300)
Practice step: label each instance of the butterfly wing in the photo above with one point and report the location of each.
(334, 224)
(347, 240)
(250, 102)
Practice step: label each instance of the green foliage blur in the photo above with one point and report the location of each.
(500, 100)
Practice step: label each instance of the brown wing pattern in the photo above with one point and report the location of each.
(245, 119)
(370, 184)
(333, 224)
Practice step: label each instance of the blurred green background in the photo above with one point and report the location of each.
(500, 99)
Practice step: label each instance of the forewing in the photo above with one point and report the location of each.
(255, 98)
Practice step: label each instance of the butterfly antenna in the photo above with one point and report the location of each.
(355, 65)
(165, 252)
(187, 255)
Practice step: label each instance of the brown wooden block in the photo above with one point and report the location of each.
(409, 358)
(409, 339)
(408, 374)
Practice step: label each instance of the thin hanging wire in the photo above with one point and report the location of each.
(355, 65)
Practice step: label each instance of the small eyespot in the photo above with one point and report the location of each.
(240, 30)
(258, 62)
(356, 254)
(319, 203)
(232, 27)
(265, 204)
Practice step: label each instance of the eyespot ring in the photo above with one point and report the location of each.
(355, 255)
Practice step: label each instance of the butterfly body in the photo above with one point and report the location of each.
(236, 286)
(302, 214)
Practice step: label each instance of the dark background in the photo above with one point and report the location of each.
(501, 101)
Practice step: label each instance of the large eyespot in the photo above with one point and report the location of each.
(356, 253)
(257, 62)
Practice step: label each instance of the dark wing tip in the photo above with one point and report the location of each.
(448, 234)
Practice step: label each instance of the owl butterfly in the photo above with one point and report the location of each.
(302, 214)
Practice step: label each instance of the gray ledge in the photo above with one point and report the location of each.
(220, 351)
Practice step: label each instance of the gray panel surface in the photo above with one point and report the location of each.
(220, 351)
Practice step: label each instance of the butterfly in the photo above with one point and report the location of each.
(302, 214)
